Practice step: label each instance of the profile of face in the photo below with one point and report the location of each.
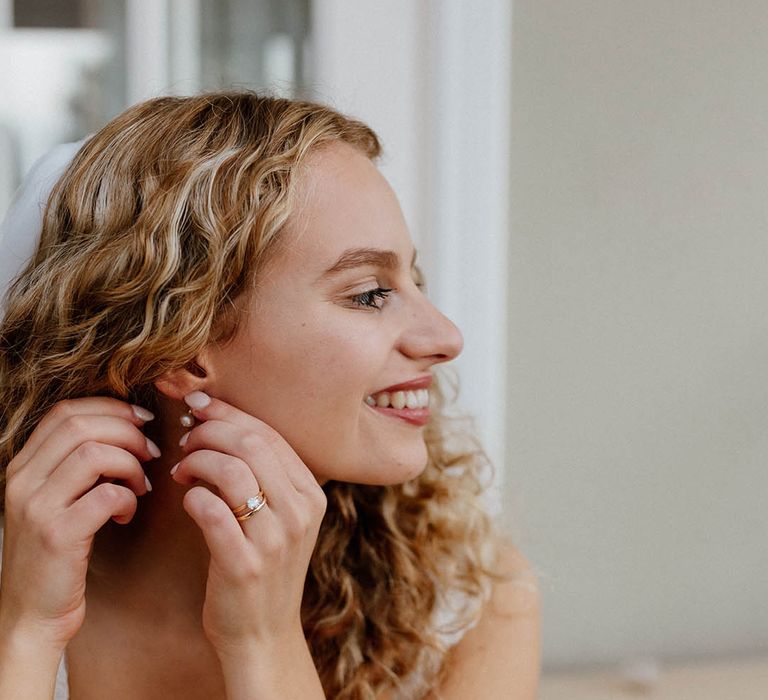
(306, 354)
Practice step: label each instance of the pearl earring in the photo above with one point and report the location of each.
(187, 420)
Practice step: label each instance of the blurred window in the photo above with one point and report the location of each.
(71, 65)
(48, 13)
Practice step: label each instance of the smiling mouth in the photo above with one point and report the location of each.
(410, 398)
(414, 416)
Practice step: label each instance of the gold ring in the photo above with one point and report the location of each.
(253, 505)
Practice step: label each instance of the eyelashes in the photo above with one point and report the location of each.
(368, 299)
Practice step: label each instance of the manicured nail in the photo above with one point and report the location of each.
(184, 439)
(174, 468)
(142, 413)
(197, 399)
(146, 481)
(154, 450)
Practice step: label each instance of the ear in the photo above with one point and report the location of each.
(177, 383)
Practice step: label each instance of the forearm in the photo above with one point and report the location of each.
(279, 671)
(28, 666)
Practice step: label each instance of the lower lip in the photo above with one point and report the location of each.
(415, 416)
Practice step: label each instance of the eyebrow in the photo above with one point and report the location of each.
(358, 257)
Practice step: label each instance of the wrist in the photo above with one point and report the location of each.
(269, 669)
(260, 651)
(22, 638)
(28, 664)
(235, 650)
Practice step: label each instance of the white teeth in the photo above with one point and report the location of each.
(418, 398)
(397, 400)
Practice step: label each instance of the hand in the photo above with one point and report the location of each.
(53, 509)
(257, 566)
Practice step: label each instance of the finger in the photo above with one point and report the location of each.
(230, 475)
(236, 484)
(249, 447)
(77, 429)
(80, 471)
(301, 477)
(82, 519)
(91, 405)
(225, 538)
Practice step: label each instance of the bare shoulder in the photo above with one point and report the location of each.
(500, 657)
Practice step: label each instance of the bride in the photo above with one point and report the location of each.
(226, 468)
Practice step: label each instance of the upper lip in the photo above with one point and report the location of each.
(418, 383)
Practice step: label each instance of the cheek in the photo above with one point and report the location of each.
(331, 383)
(310, 374)
(337, 358)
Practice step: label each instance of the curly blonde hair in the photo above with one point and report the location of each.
(162, 220)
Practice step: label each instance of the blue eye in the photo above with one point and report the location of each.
(368, 299)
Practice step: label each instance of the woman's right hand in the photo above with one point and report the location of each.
(54, 506)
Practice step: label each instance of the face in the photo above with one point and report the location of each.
(312, 346)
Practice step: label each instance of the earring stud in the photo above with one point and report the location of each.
(187, 420)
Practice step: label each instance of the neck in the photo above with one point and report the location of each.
(156, 566)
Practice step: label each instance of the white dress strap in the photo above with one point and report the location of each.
(62, 683)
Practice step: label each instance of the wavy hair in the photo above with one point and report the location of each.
(163, 219)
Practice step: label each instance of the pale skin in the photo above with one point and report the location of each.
(194, 603)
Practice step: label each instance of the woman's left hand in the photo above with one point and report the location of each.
(258, 566)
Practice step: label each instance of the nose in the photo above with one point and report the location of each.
(431, 334)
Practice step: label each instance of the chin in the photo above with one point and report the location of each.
(386, 475)
(376, 468)
(396, 474)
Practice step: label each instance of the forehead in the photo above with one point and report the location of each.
(342, 201)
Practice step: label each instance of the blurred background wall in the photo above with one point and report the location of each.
(638, 380)
(585, 184)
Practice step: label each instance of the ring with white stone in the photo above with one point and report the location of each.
(253, 505)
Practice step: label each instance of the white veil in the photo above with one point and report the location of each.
(22, 225)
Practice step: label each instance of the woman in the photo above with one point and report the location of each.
(204, 368)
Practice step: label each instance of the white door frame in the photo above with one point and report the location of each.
(163, 46)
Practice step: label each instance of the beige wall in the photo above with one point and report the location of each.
(637, 465)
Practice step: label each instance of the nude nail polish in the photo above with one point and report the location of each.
(142, 413)
(153, 449)
(197, 399)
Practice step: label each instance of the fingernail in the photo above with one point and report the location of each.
(174, 468)
(197, 399)
(146, 481)
(142, 413)
(154, 450)
(184, 439)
